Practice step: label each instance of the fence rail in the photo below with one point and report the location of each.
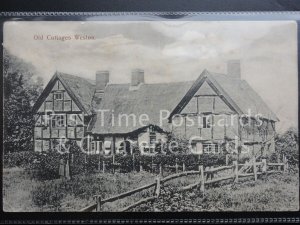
(258, 168)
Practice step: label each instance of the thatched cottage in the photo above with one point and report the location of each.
(210, 111)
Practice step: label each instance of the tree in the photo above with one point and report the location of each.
(22, 87)
(287, 144)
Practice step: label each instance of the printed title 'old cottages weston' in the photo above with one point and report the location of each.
(214, 109)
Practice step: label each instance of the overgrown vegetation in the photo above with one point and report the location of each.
(278, 193)
(21, 193)
(288, 144)
(22, 88)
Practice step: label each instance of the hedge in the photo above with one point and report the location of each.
(19, 159)
(44, 166)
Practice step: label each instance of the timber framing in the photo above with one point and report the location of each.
(49, 88)
(211, 96)
(205, 76)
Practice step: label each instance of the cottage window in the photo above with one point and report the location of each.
(152, 136)
(207, 148)
(93, 147)
(217, 149)
(98, 146)
(58, 121)
(211, 148)
(206, 121)
(58, 96)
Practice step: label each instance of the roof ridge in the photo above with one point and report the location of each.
(76, 76)
(227, 76)
(176, 82)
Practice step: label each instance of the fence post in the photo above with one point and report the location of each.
(176, 165)
(98, 202)
(141, 165)
(207, 169)
(264, 167)
(227, 159)
(103, 166)
(85, 163)
(152, 164)
(254, 168)
(157, 189)
(133, 162)
(236, 171)
(278, 161)
(183, 167)
(99, 163)
(285, 164)
(113, 163)
(202, 180)
(160, 170)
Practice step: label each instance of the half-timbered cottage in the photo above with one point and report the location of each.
(214, 110)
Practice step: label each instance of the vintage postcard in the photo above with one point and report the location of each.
(150, 116)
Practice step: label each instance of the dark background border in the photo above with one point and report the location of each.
(147, 6)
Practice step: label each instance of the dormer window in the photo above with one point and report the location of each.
(58, 96)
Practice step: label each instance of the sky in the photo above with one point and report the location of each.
(168, 51)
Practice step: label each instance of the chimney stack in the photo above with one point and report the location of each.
(137, 77)
(102, 79)
(234, 68)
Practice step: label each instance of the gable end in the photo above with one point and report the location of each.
(49, 88)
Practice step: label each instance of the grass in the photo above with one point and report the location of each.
(21, 193)
(278, 193)
(16, 191)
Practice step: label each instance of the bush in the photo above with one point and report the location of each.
(46, 165)
(48, 194)
(19, 159)
(287, 144)
(188, 159)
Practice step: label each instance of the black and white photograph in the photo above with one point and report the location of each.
(150, 116)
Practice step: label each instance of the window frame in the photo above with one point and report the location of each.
(152, 136)
(93, 147)
(208, 121)
(58, 93)
(54, 118)
(212, 148)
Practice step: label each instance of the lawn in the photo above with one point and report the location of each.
(21, 193)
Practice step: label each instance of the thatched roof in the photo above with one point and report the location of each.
(245, 97)
(150, 99)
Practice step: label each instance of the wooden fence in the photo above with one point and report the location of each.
(206, 177)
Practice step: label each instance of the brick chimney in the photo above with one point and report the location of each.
(102, 78)
(137, 77)
(234, 68)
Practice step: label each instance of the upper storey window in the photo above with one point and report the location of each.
(58, 96)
